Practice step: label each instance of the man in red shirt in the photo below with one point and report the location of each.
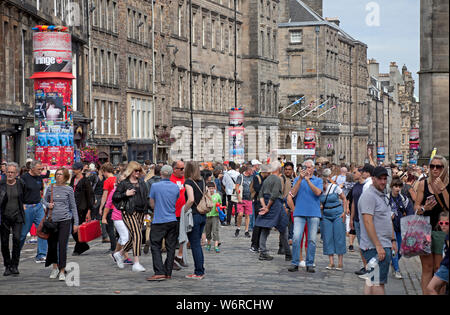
(178, 178)
(108, 187)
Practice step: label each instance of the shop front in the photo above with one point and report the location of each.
(11, 130)
(140, 150)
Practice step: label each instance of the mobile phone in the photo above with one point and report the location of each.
(431, 198)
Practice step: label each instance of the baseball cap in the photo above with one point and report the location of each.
(77, 166)
(256, 162)
(166, 170)
(380, 171)
(368, 168)
(265, 168)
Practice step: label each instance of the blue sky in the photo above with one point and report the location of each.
(396, 38)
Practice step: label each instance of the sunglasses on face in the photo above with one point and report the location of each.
(179, 168)
(436, 166)
(443, 223)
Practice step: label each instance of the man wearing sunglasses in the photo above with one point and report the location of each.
(177, 177)
(34, 211)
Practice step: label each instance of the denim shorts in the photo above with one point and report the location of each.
(380, 277)
(442, 273)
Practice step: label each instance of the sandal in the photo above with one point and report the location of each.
(330, 267)
(339, 267)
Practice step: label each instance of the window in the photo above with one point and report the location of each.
(204, 31)
(103, 119)
(95, 116)
(213, 34)
(109, 117)
(162, 67)
(296, 37)
(194, 28)
(116, 118)
(180, 17)
(161, 15)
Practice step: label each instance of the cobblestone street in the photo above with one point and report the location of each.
(234, 271)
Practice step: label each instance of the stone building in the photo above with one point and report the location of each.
(433, 77)
(129, 79)
(320, 61)
(17, 18)
(221, 72)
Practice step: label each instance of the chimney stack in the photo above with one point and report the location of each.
(316, 5)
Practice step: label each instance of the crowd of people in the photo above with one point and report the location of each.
(168, 208)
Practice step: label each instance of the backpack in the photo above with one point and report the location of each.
(253, 192)
(205, 205)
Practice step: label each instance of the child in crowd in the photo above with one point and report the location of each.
(212, 219)
(440, 278)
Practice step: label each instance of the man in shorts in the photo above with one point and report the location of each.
(244, 205)
(377, 232)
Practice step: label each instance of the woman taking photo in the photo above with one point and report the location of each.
(432, 199)
(333, 222)
(64, 214)
(133, 192)
(195, 187)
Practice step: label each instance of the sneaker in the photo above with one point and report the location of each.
(366, 275)
(361, 271)
(340, 268)
(176, 267)
(216, 248)
(54, 274)
(302, 264)
(265, 256)
(62, 276)
(330, 267)
(7, 272)
(236, 234)
(253, 250)
(310, 269)
(119, 260)
(137, 267)
(195, 277)
(398, 275)
(180, 262)
(113, 258)
(40, 260)
(208, 247)
(293, 268)
(247, 234)
(14, 270)
(351, 248)
(128, 261)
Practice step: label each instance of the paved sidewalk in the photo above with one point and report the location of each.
(234, 271)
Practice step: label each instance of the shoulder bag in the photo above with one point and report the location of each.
(47, 226)
(205, 205)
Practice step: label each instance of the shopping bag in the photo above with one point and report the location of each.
(89, 231)
(416, 235)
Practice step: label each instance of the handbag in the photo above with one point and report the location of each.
(206, 204)
(47, 226)
(416, 235)
(89, 231)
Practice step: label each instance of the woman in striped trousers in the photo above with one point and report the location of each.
(133, 192)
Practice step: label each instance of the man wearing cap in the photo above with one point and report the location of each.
(256, 166)
(377, 231)
(84, 199)
(163, 198)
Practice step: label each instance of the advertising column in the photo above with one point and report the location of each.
(310, 141)
(414, 145)
(236, 133)
(52, 56)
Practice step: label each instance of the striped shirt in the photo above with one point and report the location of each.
(65, 207)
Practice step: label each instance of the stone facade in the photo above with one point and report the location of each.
(433, 77)
(320, 61)
(17, 18)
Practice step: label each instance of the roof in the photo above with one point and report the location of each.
(300, 14)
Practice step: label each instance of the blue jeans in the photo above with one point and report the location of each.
(34, 214)
(252, 218)
(195, 238)
(299, 226)
(332, 231)
(397, 256)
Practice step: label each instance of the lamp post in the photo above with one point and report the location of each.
(190, 80)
